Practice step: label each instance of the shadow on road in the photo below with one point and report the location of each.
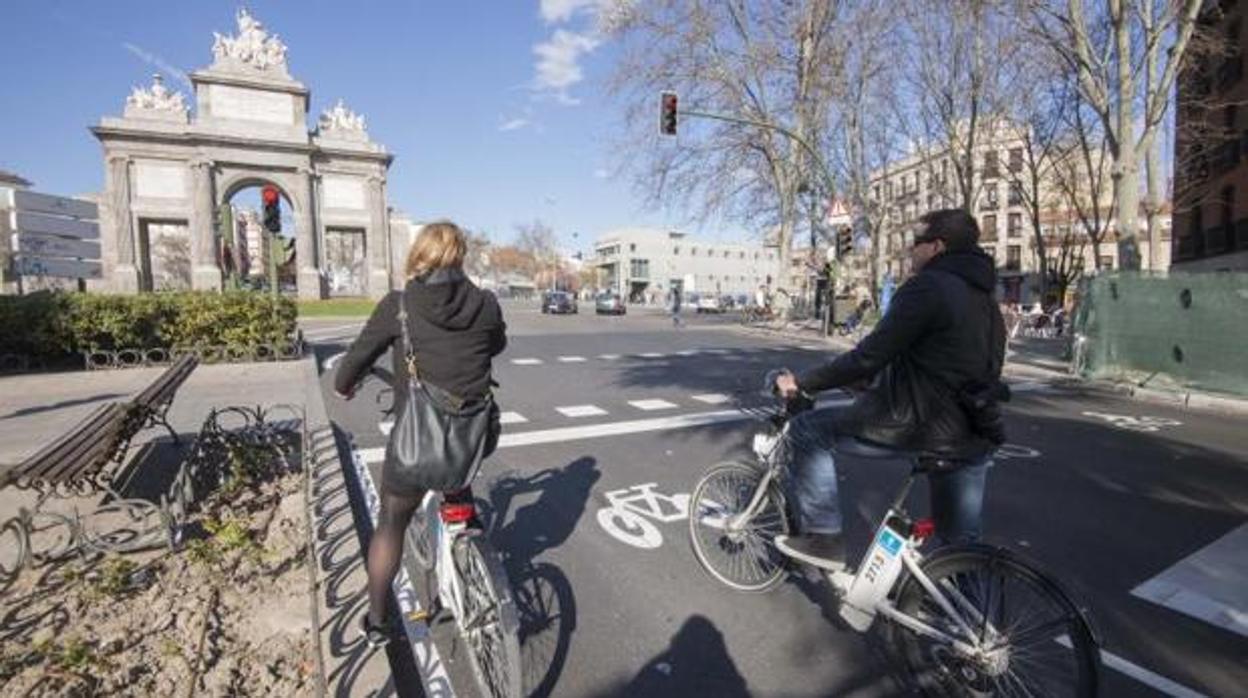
(543, 594)
(696, 663)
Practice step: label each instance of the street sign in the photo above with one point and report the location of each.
(53, 246)
(56, 205)
(53, 225)
(63, 268)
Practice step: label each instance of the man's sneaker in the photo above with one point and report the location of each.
(823, 550)
(375, 635)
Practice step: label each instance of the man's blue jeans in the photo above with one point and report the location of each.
(957, 497)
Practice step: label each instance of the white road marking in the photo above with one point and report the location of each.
(386, 427)
(581, 411)
(571, 359)
(1211, 584)
(428, 661)
(1130, 423)
(335, 331)
(333, 361)
(651, 405)
(687, 352)
(651, 355)
(712, 398)
(526, 362)
(812, 347)
(715, 351)
(608, 357)
(511, 418)
(1144, 676)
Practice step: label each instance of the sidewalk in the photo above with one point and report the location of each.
(36, 408)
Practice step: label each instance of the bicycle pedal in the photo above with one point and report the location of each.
(420, 616)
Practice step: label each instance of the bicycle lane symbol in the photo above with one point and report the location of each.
(631, 513)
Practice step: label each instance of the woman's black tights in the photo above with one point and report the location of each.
(386, 550)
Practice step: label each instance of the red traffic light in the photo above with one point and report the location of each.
(667, 113)
(269, 195)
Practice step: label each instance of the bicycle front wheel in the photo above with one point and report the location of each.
(489, 624)
(743, 557)
(1034, 640)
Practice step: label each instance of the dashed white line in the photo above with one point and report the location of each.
(687, 352)
(1144, 676)
(712, 398)
(581, 411)
(511, 418)
(608, 357)
(651, 355)
(526, 362)
(652, 405)
(571, 359)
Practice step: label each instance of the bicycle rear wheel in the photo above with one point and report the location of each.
(746, 559)
(489, 625)
(1037, 641)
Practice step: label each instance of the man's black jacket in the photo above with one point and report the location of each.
(457, 329)
(942, 332)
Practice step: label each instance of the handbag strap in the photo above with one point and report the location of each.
(409, 356)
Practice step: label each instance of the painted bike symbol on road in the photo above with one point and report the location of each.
(628, 516)
(1143, 423)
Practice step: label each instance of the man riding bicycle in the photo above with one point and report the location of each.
(934, 366)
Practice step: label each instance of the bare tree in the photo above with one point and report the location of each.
(762, 65)
(537, 239)
(1107, 45)
(962, 62)
(1083, 176)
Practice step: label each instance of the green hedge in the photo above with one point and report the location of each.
(51, 324)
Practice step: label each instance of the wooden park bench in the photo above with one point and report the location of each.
(81, 461)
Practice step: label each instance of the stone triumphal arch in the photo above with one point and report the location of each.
(168, 169)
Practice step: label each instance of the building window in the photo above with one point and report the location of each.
(726, 253)
(988, 228)
(693, 252)
(1016, 194)
(1015, 225)
(990, 165)
(1016, 159)
(639, 268)
(675, 251)
(741, 255)
(632, 247)
(1107, 261)
(1014, 257)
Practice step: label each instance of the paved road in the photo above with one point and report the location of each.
(1139, 508)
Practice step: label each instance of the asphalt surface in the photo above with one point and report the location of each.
(1104, 492)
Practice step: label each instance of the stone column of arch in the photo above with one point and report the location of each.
(205, 270)
(378, 250)
(307, 254)
(125, 272)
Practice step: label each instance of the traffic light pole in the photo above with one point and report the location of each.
(829, 311)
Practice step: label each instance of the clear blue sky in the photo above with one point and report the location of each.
(494, 109)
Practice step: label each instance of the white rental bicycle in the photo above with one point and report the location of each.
(968, 620)
(471, 585)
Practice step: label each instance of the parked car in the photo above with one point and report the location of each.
(558, 302)
(709, 303)
(609, 304)
(727, 302)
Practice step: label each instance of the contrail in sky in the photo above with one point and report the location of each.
(160, 63)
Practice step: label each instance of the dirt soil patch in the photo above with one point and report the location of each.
(226, 615)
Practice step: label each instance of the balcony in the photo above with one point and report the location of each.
(1227, 155)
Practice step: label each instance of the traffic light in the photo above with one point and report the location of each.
(844, 243)
(272, 209)
(667, 114)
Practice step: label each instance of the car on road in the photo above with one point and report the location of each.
(709, 303)
(558, 303)
(609, 304)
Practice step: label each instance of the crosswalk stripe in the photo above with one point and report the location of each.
(526, 362)
(571, 359)
(712, 398)
(651, 405)
(581, 411)
(511, 418)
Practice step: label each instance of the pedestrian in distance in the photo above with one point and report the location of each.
(456, 330)
(933, 364)
(676, 321)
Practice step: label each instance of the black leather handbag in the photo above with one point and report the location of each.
(439, 439)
